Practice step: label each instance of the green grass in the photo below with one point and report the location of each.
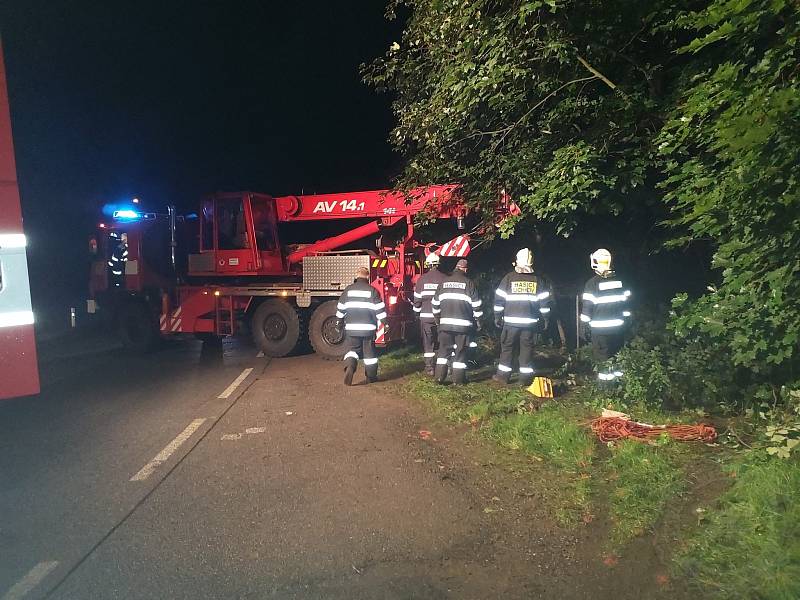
(551, 433)
(644, 479)
(402, 361)
(473, 402)
(749, 546)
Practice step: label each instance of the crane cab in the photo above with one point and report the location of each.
(238, 237)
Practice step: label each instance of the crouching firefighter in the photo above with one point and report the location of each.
(605, 314)
(522, 300)
(424, 291)
(457, 308)
(363, 311)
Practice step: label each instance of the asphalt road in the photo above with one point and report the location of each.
(132, 478)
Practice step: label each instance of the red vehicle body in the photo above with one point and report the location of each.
(238, 265)
(19, 371)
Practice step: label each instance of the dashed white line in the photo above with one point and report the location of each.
(33, 578)
(162, 456)
(236, 383)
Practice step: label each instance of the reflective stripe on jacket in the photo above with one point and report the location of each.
(424, 291)
(521, 299)
(362, 309)
(456, 303)
(606, 303)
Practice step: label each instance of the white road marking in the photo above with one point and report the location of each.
(260, 354)
(231, 436)
(236, 383)
(255, 430)
(30, 581)
(162, 456)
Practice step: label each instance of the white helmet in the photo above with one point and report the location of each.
(524, 260)
(601, 261)
(432, 259)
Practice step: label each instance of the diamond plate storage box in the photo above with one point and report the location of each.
(333, 271)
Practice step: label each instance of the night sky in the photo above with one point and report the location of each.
(170, 100)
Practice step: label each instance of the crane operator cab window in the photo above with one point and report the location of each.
(264, 224)
(231, 225)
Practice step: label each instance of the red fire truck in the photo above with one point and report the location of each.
(243, 261)
(19, 373)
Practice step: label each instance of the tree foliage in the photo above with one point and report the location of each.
(557, 102)
(687, 112)
(731, 150)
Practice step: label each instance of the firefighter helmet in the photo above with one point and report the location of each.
(524, 260)
(601, 261)
(432, 259)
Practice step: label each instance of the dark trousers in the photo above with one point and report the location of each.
(430, 343)
(363, 347)
(455, 344)
(604, 346)
(516, 340)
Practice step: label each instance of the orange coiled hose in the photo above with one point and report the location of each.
(609, 429)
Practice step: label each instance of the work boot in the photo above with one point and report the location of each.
(526, 380)
(441, 373)
(349, 371)
(430, 371)
(501, 377)
(372, 373)
(430, 365)
(459, 376)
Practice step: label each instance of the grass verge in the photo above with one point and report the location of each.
(644, 478)
(638, 480)
(749, 546)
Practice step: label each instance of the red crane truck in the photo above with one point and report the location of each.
(237, 264)
(19, 371)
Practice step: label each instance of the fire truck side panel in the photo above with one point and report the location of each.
(19, 372)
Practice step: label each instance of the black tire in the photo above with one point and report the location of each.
(326, 332)
(277, 328)
(137, 328)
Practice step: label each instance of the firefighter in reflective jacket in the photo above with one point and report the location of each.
(605, 313)
(457, 308)
(119, 256)
(363, 311)
(522, 300)
(424, 290)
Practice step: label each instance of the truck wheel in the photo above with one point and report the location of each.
(137, 328)
(326, 332)
(276, 328)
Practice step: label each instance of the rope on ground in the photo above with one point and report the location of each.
(609, 429)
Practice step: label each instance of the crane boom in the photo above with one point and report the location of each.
(440, 200)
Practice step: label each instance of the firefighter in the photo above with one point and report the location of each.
(522, 301)
(605, 313)
(424, 290)
(457, 308)
(363, 311)
(119, 256)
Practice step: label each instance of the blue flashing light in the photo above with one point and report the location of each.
(127, 214)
